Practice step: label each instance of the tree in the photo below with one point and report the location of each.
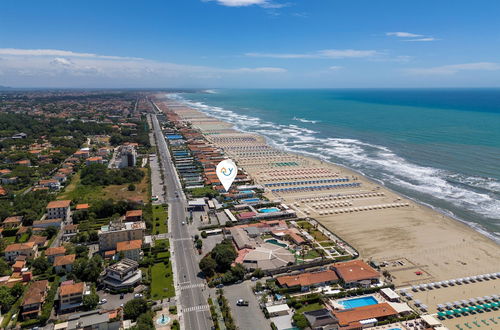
(40, 265)
(208, 265)
(135, 307)
(131, 187)
(300, 320)
(87, 270)
(17, 290)
(204, 234)
(6, 299)
(4, 268)
(258, 273)
(238, 271)
(90, 301)
(81, 251)
(51, 231)
(145, 321)
(199, 244)
(224, 254)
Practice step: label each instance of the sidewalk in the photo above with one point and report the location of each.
(220, 319)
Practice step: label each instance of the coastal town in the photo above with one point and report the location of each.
(113, 217)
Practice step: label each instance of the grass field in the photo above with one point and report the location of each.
(86, 194)
(162, 281)
(310, 307)
(160, 224)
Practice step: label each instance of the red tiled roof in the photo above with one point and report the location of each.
(19, 246)
(349, 316)
(55, 250)
(307, 279)
(355, 270)
(128, 245)
(67, 289)
(64, 260)
(58, 204)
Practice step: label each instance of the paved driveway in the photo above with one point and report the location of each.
(246, 317)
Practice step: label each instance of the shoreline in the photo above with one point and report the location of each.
(476, 227)
(413, 230)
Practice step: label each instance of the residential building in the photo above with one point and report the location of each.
(12, 222)
(119, 232)
(34, 298)
(128, 156)
(123, 274)
(309, 280)
(133, 215)
(71, 296)
(94, 160)
(64, 263)
(69, 231)
(43, 224)
(351, 318)
(59, 209)
(356, 273)
(321, 319)
(52, 252)
(130, 249)
(28, 249)
(40, 241)
(92, 320)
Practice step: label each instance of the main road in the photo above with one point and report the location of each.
(190, 288)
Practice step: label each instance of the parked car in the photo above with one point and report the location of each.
(238, 282)
(122, 295)
(219, 286)
(242, 302)
(254, 279)
(103, 301)
(138, 295)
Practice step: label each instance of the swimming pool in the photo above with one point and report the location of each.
(275, 242)
(359, 302)
(269, 210)
(250, 200)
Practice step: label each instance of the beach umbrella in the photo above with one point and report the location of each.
(449, 313)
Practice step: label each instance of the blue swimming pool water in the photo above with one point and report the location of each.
(246, 192)
(275, 242)
(269, 210)
(250, 200)
(359, 302)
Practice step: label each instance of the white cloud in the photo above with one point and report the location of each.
(414, 36)
(455, 68)
(327, 53)
(403, 34)
(57, 52)
(246, 3)
(61, 65)
(334, 68)
(422, 39)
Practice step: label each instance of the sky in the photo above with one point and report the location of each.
(250, 43)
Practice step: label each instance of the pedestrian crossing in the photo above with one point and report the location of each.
(196, 308)
(190, 286)
(181, 239)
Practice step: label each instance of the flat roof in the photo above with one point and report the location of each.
(277, 308)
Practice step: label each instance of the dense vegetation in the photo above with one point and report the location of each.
(100, 175)
(31, 206)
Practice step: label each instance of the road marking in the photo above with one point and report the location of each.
(196, 308)
(190, 286)
(181, 239)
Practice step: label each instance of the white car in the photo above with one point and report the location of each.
(138, 295)
(103, 301)
(183, 222)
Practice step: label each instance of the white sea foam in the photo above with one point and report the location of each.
(303, 120)
(475, 194)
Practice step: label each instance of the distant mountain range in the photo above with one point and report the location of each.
(3, 88)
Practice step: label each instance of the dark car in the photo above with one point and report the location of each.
(122, 295)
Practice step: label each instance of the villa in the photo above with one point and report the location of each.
(306, 281)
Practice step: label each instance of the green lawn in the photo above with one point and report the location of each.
(310, 307)
(162, 286)
(311, 254)
(24, 238)
(10, 240)
(160, 225)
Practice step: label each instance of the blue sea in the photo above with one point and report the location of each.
(440, 147)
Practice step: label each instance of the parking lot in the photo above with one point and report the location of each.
(113, 300)
(246, 317)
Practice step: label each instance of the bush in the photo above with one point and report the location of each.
(204, 234)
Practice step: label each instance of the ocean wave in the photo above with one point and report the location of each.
(376, 161)
(303, 120)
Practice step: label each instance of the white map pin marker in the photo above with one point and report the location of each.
(226, 172)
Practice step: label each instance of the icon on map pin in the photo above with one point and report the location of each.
(226, 172)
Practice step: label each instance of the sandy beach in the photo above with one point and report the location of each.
(419, 244)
